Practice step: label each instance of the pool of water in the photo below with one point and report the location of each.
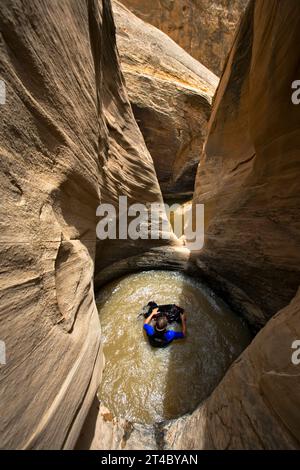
(145, 384)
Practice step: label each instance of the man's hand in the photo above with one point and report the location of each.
(153, 313)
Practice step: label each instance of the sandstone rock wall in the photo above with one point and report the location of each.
(125, 165)
(204, 28)
(171, 96)
(248, 176)
(49, 192)
(68, 141)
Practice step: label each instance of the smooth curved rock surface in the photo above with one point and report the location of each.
(126, 166)
(248, 176)
(49, 193)
(204, 28)
(68, 141)
(171, 95)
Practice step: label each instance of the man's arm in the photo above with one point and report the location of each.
(147, 327)
(178, 334)
(148, 320)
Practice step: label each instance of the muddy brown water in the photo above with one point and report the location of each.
(145, 384)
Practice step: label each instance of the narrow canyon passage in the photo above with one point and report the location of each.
(145, 384)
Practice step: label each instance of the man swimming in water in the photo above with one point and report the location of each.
(159, 336)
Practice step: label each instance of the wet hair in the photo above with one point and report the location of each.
(161, 323)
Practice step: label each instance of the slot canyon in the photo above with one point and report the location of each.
(100, 104)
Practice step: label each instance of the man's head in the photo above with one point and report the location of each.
(161, 323)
